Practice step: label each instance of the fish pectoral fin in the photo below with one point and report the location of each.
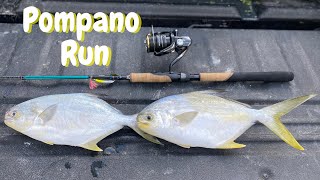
(187, 117)
(48, 113)
(35, 109)
(184, 146)
(231, 145)
(91, 146)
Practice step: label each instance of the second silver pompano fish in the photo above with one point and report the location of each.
(200, 119)
(70, 119)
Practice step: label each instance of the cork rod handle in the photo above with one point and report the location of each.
(149, 78)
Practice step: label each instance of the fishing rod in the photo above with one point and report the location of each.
(162, 43)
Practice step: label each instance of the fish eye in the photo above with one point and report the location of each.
(13, 114)
(148, 117)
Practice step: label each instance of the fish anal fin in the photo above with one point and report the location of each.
(91, 146)
(48, 113)
(187, 117)
(47, 142)
(96, 140)
(184, 146)
(231, 145)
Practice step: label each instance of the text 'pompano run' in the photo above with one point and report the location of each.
(81, 23)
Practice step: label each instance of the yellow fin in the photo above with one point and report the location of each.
(278, 110)
(184, 146)
(231, 145)
(91, 146)
(47, 142)
(187, 117)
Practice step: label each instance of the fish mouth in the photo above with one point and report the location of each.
(143, 124)
(146, 127)
(13, 125)
(9, 123)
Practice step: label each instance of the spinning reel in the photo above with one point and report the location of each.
(162, 43)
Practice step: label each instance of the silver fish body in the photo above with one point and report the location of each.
(68, 119)
(200, 119)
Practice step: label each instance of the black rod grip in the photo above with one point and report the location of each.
(277, 76)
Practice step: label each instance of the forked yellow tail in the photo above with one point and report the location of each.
(280, 109)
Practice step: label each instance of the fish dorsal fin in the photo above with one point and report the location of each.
(210, 92)
(215, 92)
(187, 117)
(91, 146)
(90, 95)
(47, 114)
(244, 104)
(231, 145)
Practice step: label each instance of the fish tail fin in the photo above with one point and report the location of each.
(279, 109)
(133, 125)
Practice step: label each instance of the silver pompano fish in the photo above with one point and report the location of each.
(200, 119)
(69, 119)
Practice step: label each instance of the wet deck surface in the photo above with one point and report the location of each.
(265, 156)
